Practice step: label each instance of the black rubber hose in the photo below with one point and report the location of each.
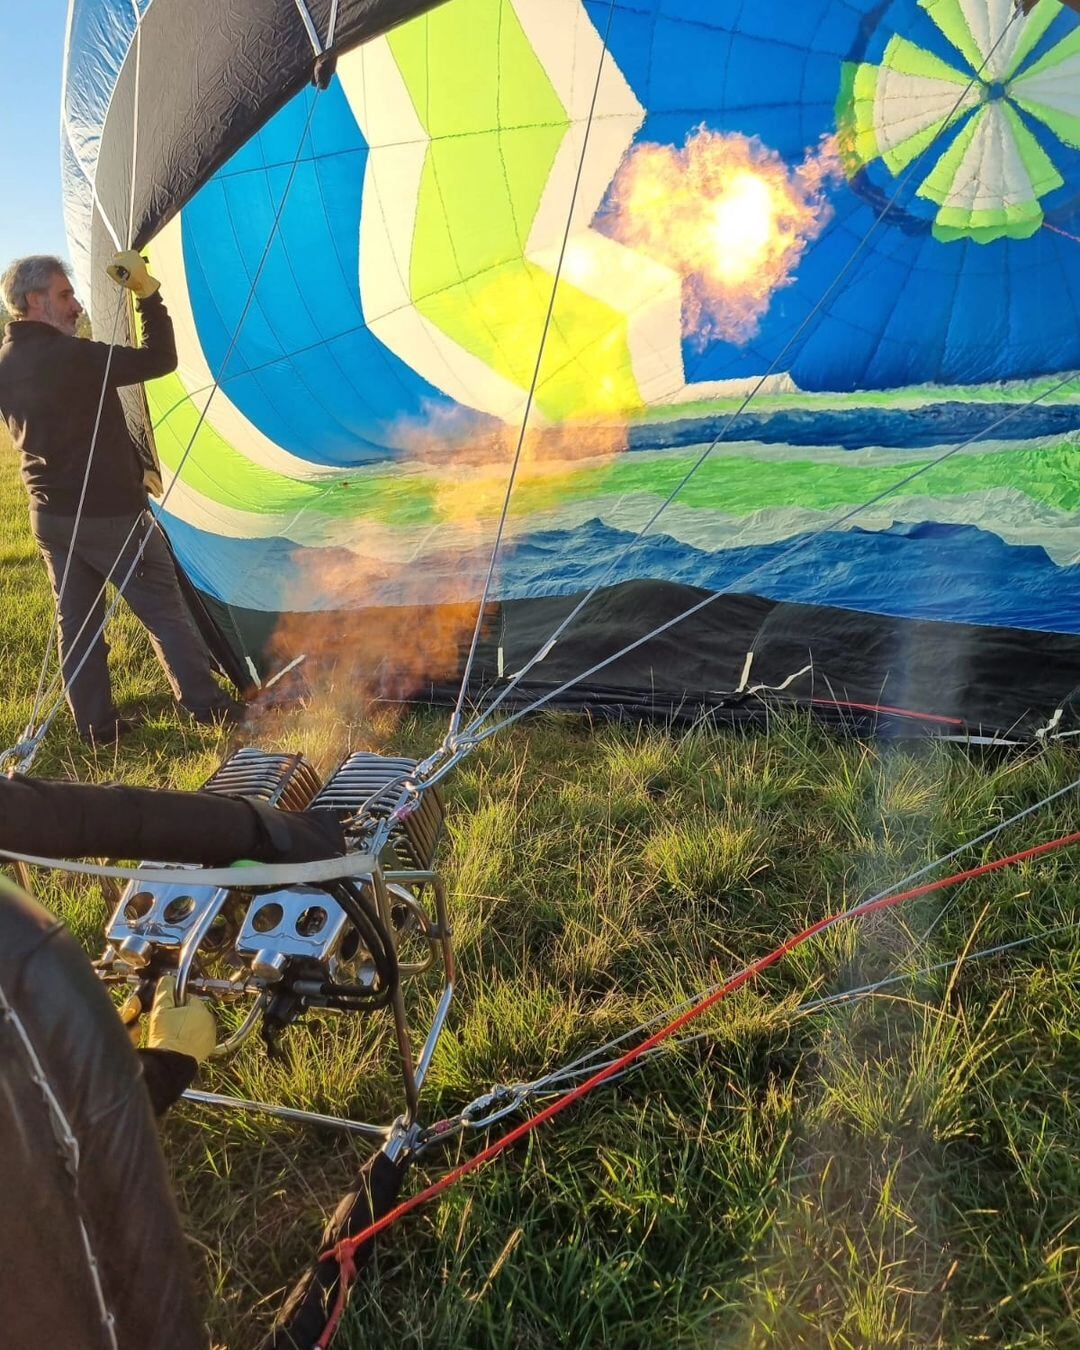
(379, 943)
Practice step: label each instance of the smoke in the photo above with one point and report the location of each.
(469, 466)
(728, 215)
(390, 618)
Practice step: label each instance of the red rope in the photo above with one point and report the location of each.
(346, 1275)
(345, 1250)
(885, 708)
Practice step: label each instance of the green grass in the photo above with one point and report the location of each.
(897, 1172)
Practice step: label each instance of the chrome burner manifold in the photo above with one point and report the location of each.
(157, 924)
(300, 924)
(306, 927)
(346, 945)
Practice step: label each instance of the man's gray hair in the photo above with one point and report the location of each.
(26, 275)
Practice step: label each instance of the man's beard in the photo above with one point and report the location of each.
(51, 316)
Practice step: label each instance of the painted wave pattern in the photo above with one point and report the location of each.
(990, 535)
(955, 573)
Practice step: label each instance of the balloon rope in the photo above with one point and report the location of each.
(455, 719)
(727, 425)
(345, 1251)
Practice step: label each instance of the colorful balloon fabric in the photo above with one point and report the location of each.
(834, 241)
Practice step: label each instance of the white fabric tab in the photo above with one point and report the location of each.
(309, 25)
(741, 686)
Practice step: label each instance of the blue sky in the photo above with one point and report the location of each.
(32, 41)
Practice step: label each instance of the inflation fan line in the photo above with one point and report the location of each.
(455, 718)
(345, 1251)
(54, 691)
(473, 737)
(748, 398)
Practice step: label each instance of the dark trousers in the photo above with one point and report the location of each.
(152, 591)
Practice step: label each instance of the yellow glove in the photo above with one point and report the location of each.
(189, 1029)
(128, 268)
(130, 1011)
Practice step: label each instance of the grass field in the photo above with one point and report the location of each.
(900, 1171)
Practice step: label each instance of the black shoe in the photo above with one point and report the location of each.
(112, 732)
(229, 714)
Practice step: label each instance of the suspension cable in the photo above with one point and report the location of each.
(455, 719)
(726, 426)
(876, 986)
(505, 1100)
(474, 737)
(906, 881)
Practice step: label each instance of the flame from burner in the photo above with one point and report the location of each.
(729, 216)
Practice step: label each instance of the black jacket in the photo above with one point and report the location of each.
(80, 820)
(88, 1224)
(83, 1186)
(50, 387)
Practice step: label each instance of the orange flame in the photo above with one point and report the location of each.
(728, 215)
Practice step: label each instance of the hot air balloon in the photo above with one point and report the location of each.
(646, 354)
(772, 308)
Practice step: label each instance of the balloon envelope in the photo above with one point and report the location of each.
(838, 243)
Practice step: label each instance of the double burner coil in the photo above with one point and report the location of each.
(373, 783)
(286, 781)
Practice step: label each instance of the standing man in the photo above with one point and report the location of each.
(55, 391)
